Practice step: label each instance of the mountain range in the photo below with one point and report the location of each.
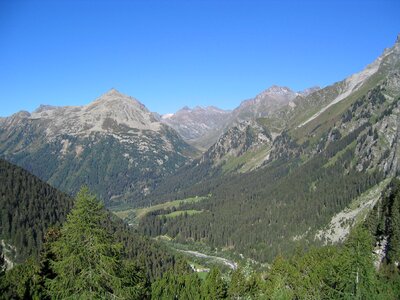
(274, 172)
(116, 145)
(201, 127)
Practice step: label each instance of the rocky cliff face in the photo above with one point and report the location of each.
(114, 145)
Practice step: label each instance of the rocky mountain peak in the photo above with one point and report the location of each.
(113, 91)
(112, 112)
(115, 97)
(278, 90)
(185, 109)
(309, 91)
(44, 107)
(115, 132)
(267, 101)
(201, 110)
(276, 93)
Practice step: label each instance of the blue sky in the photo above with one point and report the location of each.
(168, 54)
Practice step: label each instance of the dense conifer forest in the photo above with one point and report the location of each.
(28, 208)
(82, 260)
(33, 211)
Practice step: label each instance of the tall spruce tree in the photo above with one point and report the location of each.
(87, 263)
(357, 272)
(394, 227)
(214, 286)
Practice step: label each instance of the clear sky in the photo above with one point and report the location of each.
(171, 53)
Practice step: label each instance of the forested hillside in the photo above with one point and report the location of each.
(83, 260)
(249, 213)
(30, 207)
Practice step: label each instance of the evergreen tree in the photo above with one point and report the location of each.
(357, 273)
(214, 287)
(178, 283)
(237, 287)
(278, 285)
(394, 230)
(22, 282)
(87, 262)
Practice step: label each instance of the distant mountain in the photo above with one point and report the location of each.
(114, 145)
(200, 122)
(194, 123)
(264, 103)
(202, 127)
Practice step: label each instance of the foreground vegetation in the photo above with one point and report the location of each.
(83, 260)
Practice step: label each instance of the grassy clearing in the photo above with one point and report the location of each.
(178, 213)
(123, 214)
(141, 212)
(138, 213)
(202, 275)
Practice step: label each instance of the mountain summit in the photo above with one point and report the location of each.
(278, 90)
(114, 145)
(113, 111)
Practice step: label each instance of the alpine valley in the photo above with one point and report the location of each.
(298, 189)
